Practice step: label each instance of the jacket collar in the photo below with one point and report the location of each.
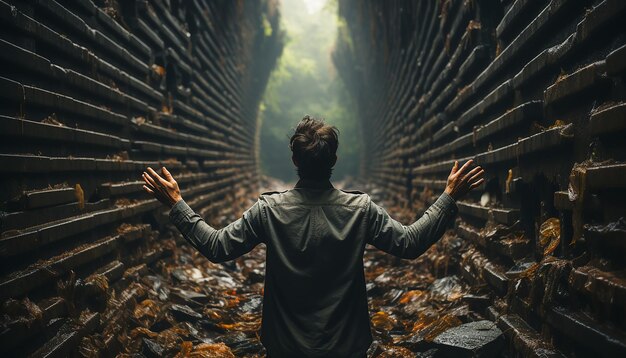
(314, 184)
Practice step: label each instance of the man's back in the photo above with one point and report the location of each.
(315, 302)
(314, 281)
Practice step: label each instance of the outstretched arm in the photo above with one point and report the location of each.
(410, 241)
(228, 243)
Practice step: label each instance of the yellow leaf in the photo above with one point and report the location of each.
(80, 196)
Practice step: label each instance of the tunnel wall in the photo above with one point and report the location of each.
(534, 92)
(93, 92)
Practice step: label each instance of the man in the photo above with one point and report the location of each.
(315, 303)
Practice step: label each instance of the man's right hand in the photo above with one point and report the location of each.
(461, 181)
(165, 188)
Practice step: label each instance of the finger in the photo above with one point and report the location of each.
(157, 177)
(477, 184)
(144, 176)
(466, 166)
(167, 174)
(148, 179)
(472, 173)
(455, 167)
(476, 176)
(150, 191)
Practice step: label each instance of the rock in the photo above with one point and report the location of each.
(190, 298)
(252, 305)
(184, 313)
(414, 342)
(240, 343)
(255, 276)
(477, 302)
(447, 288)
(428, 354)
(180, 275)
(150, 348)
(374, 350)
(474, 339)
(526, 341)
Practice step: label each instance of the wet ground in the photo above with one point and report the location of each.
(193, 307)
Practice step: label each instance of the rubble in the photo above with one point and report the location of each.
(474, 339)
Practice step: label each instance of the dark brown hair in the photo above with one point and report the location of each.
(314, 146)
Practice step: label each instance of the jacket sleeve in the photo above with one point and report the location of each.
(410, 241)
(228, 243)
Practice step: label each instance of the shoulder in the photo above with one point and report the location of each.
(356, 194)
(354, 197)
(272, 197)
(352, 191)
(273, 192)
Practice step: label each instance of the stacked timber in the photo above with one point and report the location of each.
(92, 93)
(534, 92)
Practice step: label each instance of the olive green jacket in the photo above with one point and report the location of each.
(315, 302)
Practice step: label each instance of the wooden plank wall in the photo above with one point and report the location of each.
(534, 92)
(91, 93)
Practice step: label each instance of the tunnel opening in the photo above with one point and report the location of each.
(305, 82)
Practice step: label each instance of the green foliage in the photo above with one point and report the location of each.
(305, 82)
(267, 27)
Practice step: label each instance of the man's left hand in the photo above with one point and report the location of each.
(165, 188)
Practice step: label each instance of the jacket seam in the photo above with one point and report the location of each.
(317, 204)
